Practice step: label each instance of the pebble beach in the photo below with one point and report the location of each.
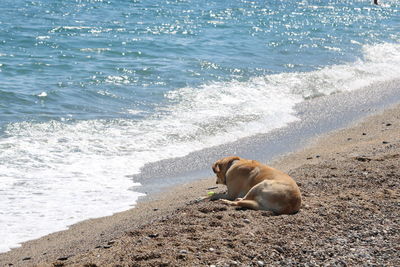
(349, 180)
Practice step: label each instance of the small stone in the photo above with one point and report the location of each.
(389, 192)
(309, 158)
(385, 142)
(62, 258)
(260, 263)
(212, 265)
(388, 124)
(317, 156)
(363, 159)
(26, 258)
(364, 134)
(153, 235)
(155, 209)
(246, 220)
(183, 251)
(197, 200)
(211, 249)
(181, 256)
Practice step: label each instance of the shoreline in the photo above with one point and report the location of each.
(317, 116)
(101, 233)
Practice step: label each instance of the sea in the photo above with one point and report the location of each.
(92, 91)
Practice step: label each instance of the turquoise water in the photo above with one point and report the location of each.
(98, 59)
(91, 91)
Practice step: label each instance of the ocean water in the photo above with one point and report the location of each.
(92, 90)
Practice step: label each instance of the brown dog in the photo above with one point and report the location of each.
(261, 187)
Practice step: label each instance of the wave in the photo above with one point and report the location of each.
(61, 172)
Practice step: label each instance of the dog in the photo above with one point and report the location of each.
(257, 186)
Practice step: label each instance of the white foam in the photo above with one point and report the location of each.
(96, 50)
(57, 173)
(42, 94)
(118, 80)
(44, 37)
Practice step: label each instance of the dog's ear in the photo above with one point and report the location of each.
(233, 159)
(216, 168)
(230, 162)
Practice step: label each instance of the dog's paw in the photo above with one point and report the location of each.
(228, 202)
(224, 201)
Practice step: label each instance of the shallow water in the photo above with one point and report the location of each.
(91, 91)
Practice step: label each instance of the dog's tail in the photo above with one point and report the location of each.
(245, 203)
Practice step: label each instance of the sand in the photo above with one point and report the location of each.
(350, 215)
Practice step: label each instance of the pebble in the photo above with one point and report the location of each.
(246, 220)
(211, 249)
(197, 200)
(26, 258)
(260, 263)
(183, 251)
(153, 235)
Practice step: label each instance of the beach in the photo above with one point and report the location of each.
(349, 181)
(112, 113)
(98, 115)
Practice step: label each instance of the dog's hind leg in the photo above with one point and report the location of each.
(245, 203)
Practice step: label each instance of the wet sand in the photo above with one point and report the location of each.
(350, 215)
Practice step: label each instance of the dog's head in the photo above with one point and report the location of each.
(221, 166)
